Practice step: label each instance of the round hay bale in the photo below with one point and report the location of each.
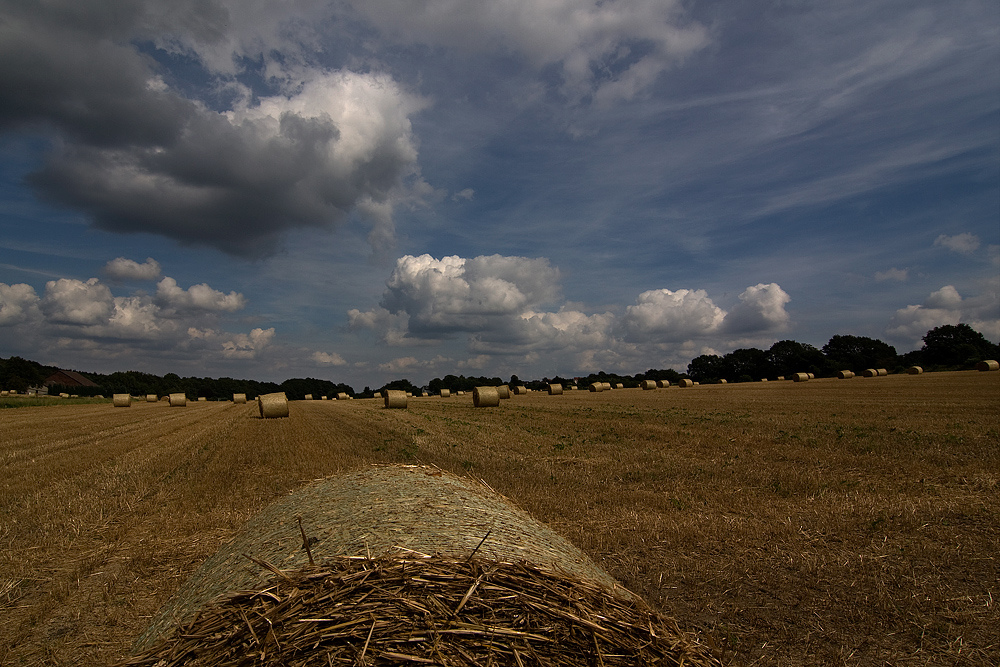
(460, 393)
(988, 365)
(395, 399)
(307, 397)
(539, 599)
(152, 398)
(915, 370)
(202, 399)
(177, 400)
(620, 385)
(63, 395)
(800, 377)
(486, 397)
(780, 378)
(648, 384)
(520, 390)
(445, 393)
(342, 396)
(596, 387)
(869, 373)
(122, 400)
(812, 376)
(555, 389)
(882, 372)
(504, 392)
(377, 395)
(409, 394)
(685, 383)
(239, 398)
(607, 386)
(723, 381)
(273, 406)
(663, 384)
(845, 375)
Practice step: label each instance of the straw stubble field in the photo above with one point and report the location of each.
(830, 522)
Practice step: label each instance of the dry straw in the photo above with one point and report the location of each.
(869, 373)
(620, 385)
(177, 400)
(307, 397)
(152, 398)
(915, 370)
(413, 566)
(503, 391)
(273, 406)
(520, 390)
(648, 384)
(882, 372)
(800, 377)
(845, 375)
(663, 384)
(202, 399)
(486, 397)
(723, 381)
(988, 365)
(395, 398)
(446, 393)
(122, 400)
(596, 386)
(239, 398)
(555, 389)
(342, 396)
(685, 383)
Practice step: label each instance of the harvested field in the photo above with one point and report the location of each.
(819, 523)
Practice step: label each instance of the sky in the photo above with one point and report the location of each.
(366, 190)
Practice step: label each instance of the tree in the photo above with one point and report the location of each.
(957, 345)
(708, 367)
(788, 356)
(859, 352)
(18, 374)
(747, 363)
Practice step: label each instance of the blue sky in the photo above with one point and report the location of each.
(363, 191)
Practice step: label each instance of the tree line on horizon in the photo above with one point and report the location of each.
(948, 347)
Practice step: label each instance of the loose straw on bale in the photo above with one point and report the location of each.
(152, 398)
(555, 389)
(988, 365)
(486, 397)
(122, 400)
(239, 398)
(500, 589)
(685, 383)
(395, 398)
(845, 375)
(503, 391)
(273, 406)
(800, 377)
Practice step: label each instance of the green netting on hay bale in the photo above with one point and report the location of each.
(426, 610)
(377, 511)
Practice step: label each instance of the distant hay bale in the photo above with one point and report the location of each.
(504, 392)
(988, 365)
(460, 393)
(122, 400)
(596, 387)
(845, 375)
(64, 395)
(648, 384)
(445, 393)
(202, 399)
(395, 399)
(4, 393)
(869, 373)
(607, 386)
(685, 383)
(882, 372)
(273, 406)
(239, 398)
(342, 396)
(307, 397)
(780, 378)
(152, 398)
(915, 370)
(501, 588)
(573, 387)
(520, 390)
(486, 397)
(800, 377)
(620, 385)
(377, 394)
(723, 381)
(178, 400)
(663, 384)
(409, 394)
(555, 389)
(812, 376)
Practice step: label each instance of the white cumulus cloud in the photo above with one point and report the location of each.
(127, 269)
(18, 304)
(70, 301)
(947, 306)
(328, 359)
(667, 315)
(247, 346)
(196, 298)
(761, 310)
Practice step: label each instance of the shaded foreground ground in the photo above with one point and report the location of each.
(832, 522)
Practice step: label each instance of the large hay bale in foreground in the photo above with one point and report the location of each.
(240, 399)
(555, 389)
(273, 406)
(122, 400)
(485, 397)
(395, 399)
(988, 365)
(414, 566)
